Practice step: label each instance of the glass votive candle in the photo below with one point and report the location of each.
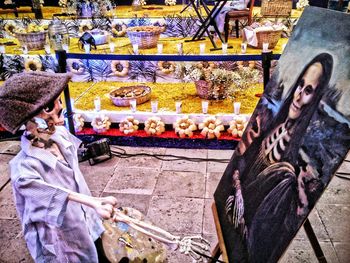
(65, 47)
(180, 50)
(283, 46)
(236, 107)
(154, 106)
(47, 49)
(2, 49)
(205, 105)
(202, 48)
(265, 47)
(72, 104)
(224, 48)
(97, 103)
(243, 48)
(112, 47)
(135, 48)
(160, 49)
(87, 48)
(178, 105)
(25, 49)
(133, 105)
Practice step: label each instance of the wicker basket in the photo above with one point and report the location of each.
(144, 36)
(33, 41)
(122, 96)
(270, 37)
(276, 8)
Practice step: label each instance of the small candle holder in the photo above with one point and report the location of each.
(97, 103)
(154, 106)
(202, 48)
(265, 47)
(283, 46)
(135, 48)
(160, 49)
(243, 48)
(112, 47)
(47, 49)
(65, 47)
(180, 49)
(2, 49)
(133, 105)
(236, 107)
(224, 48)
(205, 105)
(87, 48)
(72, 104)
(178, 106)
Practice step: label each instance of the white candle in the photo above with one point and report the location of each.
(111, 47)
(135, 48)
(243, 48)
(25, 49)
(178, 105)
(72, 104)
(2, 49)
(180, 50)
(87, 48)
(236, 107)
(65, 47)
(97, 103)
(47, 49)
(154, 106)
(224, 48)
(160, 49)
(205, 105)
(265, 47)
(202, 48)
(283, 46)
(133, 105)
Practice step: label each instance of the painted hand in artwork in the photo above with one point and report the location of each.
(235, 204)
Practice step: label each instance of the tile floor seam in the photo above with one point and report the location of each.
(114, 170)
(330, 239)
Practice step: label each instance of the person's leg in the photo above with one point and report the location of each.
(101, 254)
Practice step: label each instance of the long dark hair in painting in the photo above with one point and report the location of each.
(268, 200)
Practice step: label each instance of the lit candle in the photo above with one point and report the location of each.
(202, 48)
(205, 105)
(178, 105)
(135, 48)
(97, 103)
(224, 48)
(133, 105)
(2, 49)
(25, 49)
(236, 107)
(154, 106)
(47, 49)
(283, 46)
(180, 50)
(265, 47)
(65, 47)
(111, 47)
(87, 48)
(160, 49)
(243, 48)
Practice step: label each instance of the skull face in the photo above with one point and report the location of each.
(48, 118)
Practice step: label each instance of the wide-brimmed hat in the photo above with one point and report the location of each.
(25, 95)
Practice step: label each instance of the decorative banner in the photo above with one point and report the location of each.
(293, 144)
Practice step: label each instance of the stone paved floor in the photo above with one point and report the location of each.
(177, 196)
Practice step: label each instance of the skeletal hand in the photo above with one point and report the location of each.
(104, 206)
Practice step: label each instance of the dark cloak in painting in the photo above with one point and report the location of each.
(297, 137)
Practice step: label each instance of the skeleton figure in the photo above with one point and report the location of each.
(273, 176)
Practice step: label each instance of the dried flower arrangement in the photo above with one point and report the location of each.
(98, 7)
(211, 127)
(184, 127)
(78, 121)
(154, 126)
(129, 125)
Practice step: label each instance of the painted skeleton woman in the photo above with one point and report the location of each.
(268, 169)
